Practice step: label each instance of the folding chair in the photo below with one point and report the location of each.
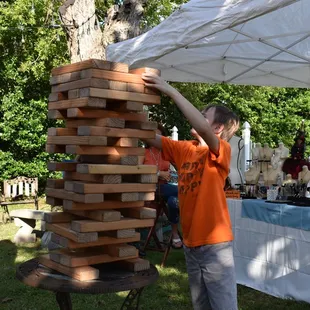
(161, 246)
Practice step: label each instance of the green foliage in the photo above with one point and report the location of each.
(158, 10)
(274, 114)
(29, 49)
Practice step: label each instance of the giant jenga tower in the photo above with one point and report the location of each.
(102, 193)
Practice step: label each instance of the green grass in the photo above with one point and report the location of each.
(171, 291)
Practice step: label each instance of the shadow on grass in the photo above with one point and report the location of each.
(171, 291)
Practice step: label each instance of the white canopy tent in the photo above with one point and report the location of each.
(249, 42)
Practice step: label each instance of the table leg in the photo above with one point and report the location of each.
(64, 301)
(132, 300)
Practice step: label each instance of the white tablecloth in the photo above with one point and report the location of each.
(271, 258)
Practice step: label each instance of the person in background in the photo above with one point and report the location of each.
(168, 191)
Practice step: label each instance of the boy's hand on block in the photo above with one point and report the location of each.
(155, 81)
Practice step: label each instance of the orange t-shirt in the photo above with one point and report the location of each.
(203, 208)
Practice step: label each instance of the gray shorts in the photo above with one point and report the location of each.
(211, 275)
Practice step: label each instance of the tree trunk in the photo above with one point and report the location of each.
(84, 36)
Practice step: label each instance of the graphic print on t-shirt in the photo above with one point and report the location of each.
(190, 176)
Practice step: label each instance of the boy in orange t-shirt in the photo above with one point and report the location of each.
(203, 167)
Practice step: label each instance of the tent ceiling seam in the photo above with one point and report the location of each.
(266, 73)
(273, 55)
(244, 40)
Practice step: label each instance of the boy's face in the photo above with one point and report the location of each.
(209, 116)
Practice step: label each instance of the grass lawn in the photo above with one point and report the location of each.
(169, 292)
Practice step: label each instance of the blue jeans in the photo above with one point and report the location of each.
(170, 194)
(211, 275)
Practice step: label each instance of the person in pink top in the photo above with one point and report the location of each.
(168, 191)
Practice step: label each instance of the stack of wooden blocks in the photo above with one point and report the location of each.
(103, 192)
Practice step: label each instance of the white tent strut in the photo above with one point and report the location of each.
(249, 42)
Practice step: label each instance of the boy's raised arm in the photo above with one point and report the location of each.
(154, 142)
(195, 118)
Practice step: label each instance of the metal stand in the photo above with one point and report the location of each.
(64, 301)
(132, 300)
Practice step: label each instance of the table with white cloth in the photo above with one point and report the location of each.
(272, 247)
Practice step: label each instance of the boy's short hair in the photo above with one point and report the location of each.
(226, 117)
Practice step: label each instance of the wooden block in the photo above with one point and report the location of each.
(123, 142)
(68, 186)
(119, 67)
(64, 78)
(58, 217)
(119, 95)
(121, 250)
(94, 188)
(136, 88)
(90, 82)
(109, 159)
(112, 132)
(123, 197)
(54, 202)
(77, 103)
(106, 205)
(142, 178)
(133, 264)
(78, 140)
(112, 179)
(112, 76)
(104, 150)
(64, 166)
(62, 131)
(52, 149)
(84, 273)
(139, 213)
(147, 178)
(120, 234)
(91, 257)
(63, 194)
(102, 240)
(99, 122)
(140, 71)
(125, 106)
(57, 114)
(127, 197)
(141, 125)
(124, 223)
(116, 169)
(152, 91)
(146, 196)
(57, 97)
(88, 64)
(63, 229)
(100, 215)
(55, 183)
(75, 94)
(30, 214)
(97, 114)
(105, 179)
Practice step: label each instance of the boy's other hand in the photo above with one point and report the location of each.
(164, 175)
(155, 81)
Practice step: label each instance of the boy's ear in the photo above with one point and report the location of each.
(218, 128)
